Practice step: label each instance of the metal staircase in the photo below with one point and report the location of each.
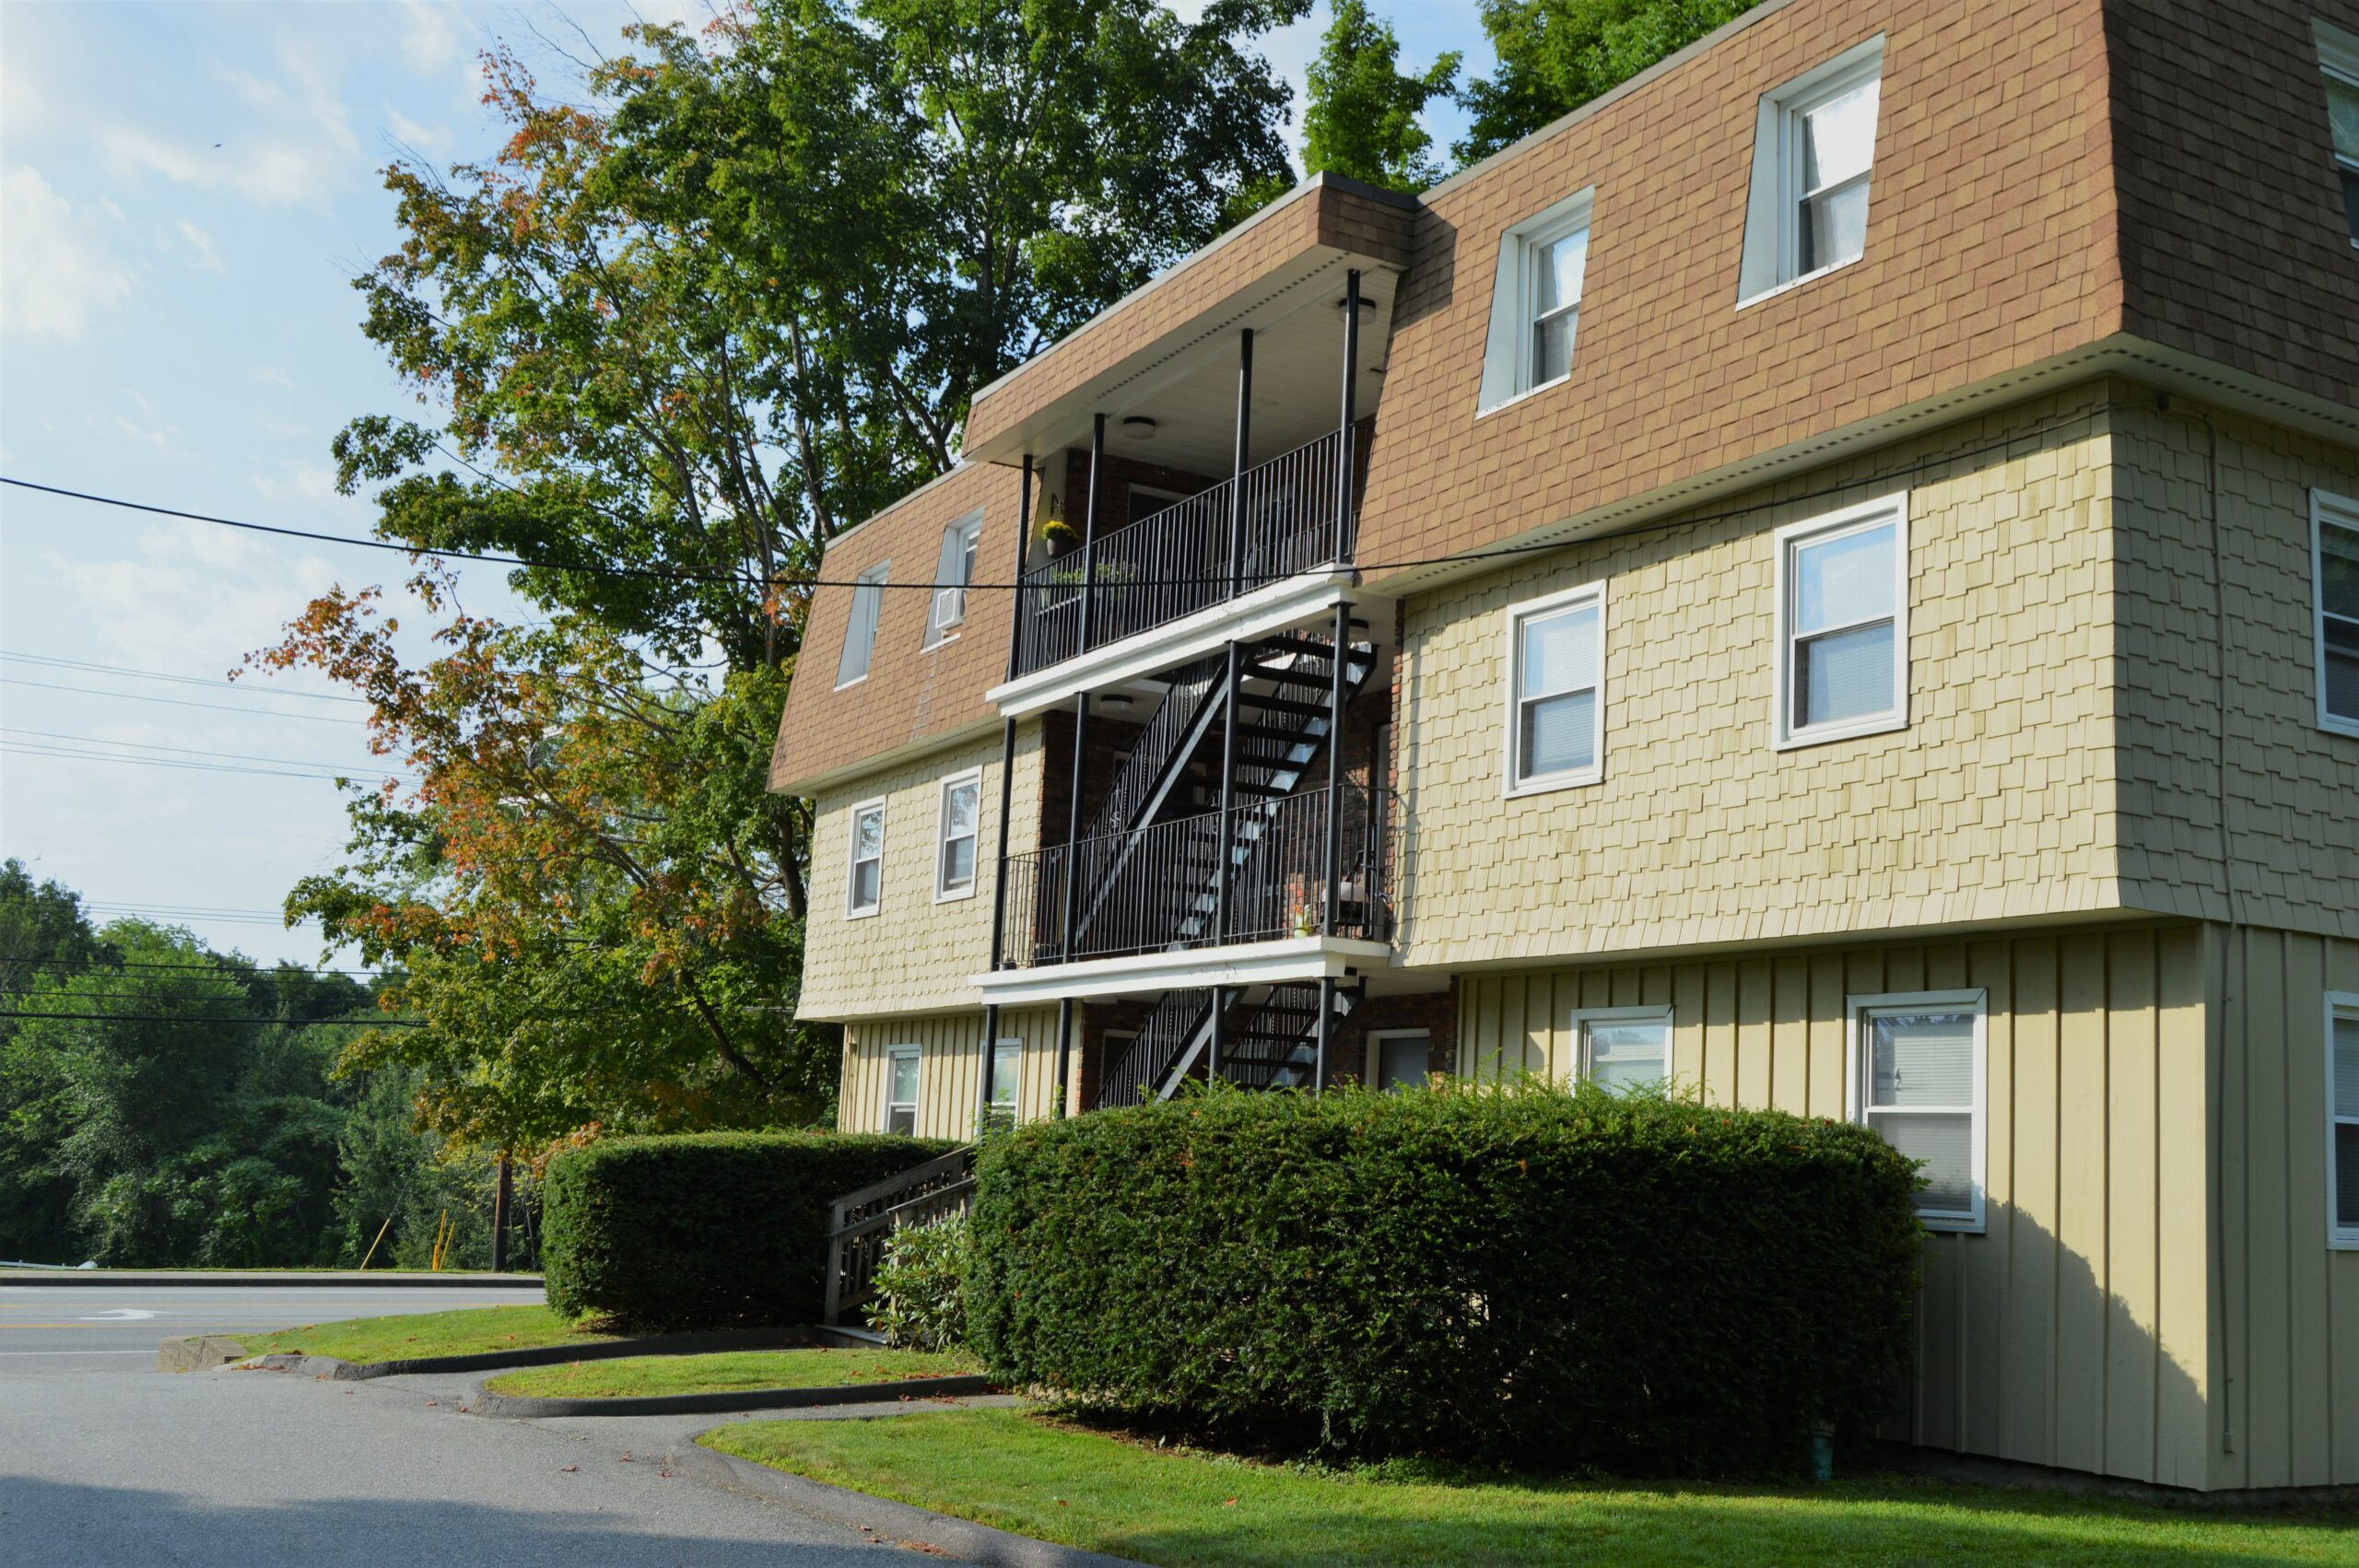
(1269, 1040)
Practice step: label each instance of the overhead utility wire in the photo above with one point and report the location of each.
(60, 753)
(1496, 552)
(176, 680)
(183, 702)
(255, 971)
(185, 751)
(167, 1018)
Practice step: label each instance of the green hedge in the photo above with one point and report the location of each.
(705, 1230)
(1527, 1276)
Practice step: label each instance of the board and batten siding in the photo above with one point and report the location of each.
(2290, 1326)
(949, 1070)
(2072, 1332)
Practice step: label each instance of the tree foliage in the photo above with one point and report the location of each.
(1554, 55)
(1361, 119)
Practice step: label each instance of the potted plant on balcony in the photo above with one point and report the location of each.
(1060, 538)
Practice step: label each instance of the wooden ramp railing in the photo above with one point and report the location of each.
(865, 1219)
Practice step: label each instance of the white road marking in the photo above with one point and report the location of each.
(121, 1314)
(77, 1352)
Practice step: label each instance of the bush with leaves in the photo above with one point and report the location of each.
(1526, 1275)
(921, 1287)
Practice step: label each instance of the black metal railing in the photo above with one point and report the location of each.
(864, 1221)
(1136, 1074)
(1159, 889)
(1189, 556)
(1143, 777)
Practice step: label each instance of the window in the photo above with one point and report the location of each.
(2343, 1118)
(1400, 1059)
(859, 631)
(1813, 146)
(1007, 1072)
(866, 889)
(954, 862)
(1842, 624)
(1555, 690)
(1536, 301)
(952, 573)
(902, 1089)
(2339, 54)
(2334, 545)
(1622, 1047)
(1917, 1077)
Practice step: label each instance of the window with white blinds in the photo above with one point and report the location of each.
(956, 834)
(902, 1089)
(1814, 152)
(2339, 57)
(1536, 301)
(1842, 619)
(859, 631)
(866, 885)
(2334, 542)
(2343, 1118)
(1555, 690)
(1007, 1075)
(1918, 1079)
(1623, 1048)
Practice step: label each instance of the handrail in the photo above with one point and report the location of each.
(863, 1220)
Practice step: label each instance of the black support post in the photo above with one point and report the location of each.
(499, 1198)
(1219, 1040)
(1346, 457)
(1237, 472)
(1326, 1034)
(1089, 526)
(1335, 846)
(1064, 1051)
(1022, 537)
(990, 1064)
(1006, 782)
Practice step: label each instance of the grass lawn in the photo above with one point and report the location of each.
(1066, 1483)
(464, 1332)
(724, 1371)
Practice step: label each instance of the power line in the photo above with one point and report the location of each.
(224, 966)
(186, 751)
(167, 1018)
(176, 680)
(183, 702)
(65, 755)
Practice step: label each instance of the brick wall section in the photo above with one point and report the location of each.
(1990, 246)
(2290, 788)
(1335, 214)
(913, 693)
(1121, 473)
(1110, 741)
(1996, 803)
(2235, 244)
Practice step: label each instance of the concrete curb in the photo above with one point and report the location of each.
(482, 1401)
(198, 1352)
(897, 1523)
(349, 1278)
(537, 1356)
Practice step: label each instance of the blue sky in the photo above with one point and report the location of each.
(189, 189)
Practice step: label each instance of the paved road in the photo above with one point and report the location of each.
(105, 1461)
(50, 1328)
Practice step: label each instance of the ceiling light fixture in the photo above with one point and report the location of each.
(1138, 427)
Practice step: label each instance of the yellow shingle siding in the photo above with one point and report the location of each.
(914, 956)
(1996, 801)
(2290, 788)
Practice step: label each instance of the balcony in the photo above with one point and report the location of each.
(1166, 904)
(1274, 522)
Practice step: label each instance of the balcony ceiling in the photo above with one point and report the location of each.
(1186, 380)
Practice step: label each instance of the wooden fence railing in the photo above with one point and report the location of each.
(864, 1219)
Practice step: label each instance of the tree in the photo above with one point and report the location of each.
(1554, 55)
(1362, 117)
(583, 891)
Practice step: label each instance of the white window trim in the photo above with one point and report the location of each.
(852, 911)
(879, 575)
(1376, 1039)
(2338, 57)
(1583, 1016)
(937, 629)
(1855, 1084)
(2343, 512)
(941, 823)
(2338, 1237)
(1772, 229)
(1783, 735)
(1506, 346)
(893, 1056)
(1570, 779)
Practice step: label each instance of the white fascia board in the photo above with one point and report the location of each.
(1239, 963)
(1270, 608)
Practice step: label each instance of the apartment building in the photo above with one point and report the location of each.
(1829, 576)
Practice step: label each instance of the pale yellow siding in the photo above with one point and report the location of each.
(2186, 592)
(916, 955)
(2289, 1412)
(1995, 803)
(2072, 1331)
(949, 1070)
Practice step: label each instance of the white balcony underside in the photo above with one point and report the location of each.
(1295, 959)
(1273, 607)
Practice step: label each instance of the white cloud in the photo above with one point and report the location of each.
(409, 132)
(429, 42)
(299, 147)
(202, 243)
(275, 377)
(300, 482)
(57, 265)
(148, 429)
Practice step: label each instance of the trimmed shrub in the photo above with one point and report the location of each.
(922, 1286)
(1529, 1275)
(705, 1230)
